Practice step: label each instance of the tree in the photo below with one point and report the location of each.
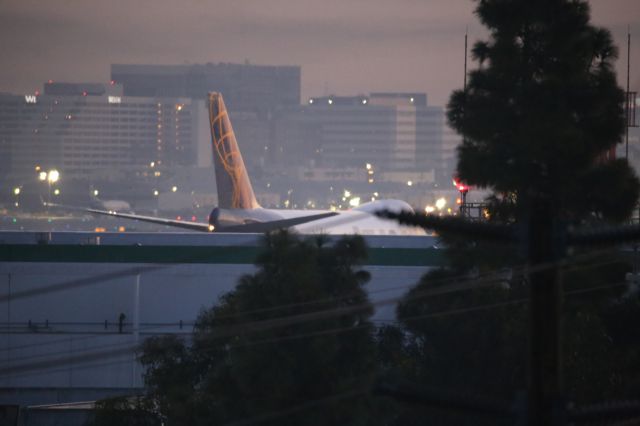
(292, 344)
(542, 108)
(538, 119)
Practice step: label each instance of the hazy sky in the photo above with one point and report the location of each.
(344, 46)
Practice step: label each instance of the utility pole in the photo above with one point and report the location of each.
(545, 384)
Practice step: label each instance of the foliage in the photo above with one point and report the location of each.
(292, 344)
(125, 411)
(542, 107)
(538, 117)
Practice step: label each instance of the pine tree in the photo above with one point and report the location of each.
(543, 109)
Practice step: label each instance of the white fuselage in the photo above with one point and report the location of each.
(359, 220)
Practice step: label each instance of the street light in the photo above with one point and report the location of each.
(54, 175)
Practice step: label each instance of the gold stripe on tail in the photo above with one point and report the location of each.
(232, 180)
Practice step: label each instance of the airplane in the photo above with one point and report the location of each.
(239, 211)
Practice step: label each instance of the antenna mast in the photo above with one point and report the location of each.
(628, 96)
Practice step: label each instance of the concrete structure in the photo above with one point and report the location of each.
(74, 306)
(84, 130)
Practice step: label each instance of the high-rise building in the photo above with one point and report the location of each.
(246, 87)
(389, 131)
(88, 129)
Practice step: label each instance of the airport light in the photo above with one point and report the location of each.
(429, 209)
(56, 191)
(16, 190)
(155, 192)
(354, 202)
(42, 176)
(95, 192)
(368, 166)
(440, 203)
(409, 183)
(174, 188)
(347, 193)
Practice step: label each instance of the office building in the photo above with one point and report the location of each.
(246, 87)
(389, 131)
(85, 130)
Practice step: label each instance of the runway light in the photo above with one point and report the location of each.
(16, 191)
(347, 193)
(440, 203)
(354, 202)
(409, 183)
(56, 192)
(155, 192)
(174, 188)
(95, 192)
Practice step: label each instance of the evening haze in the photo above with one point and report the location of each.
(343, 47)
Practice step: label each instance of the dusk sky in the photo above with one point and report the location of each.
(345, 47)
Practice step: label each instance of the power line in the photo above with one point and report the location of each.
(122, 349)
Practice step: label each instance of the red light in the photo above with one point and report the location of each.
(84, 93)
(193, 218)
(178, 217)
(50, 82)
(37, 93)
(458, 201)
(112, 82)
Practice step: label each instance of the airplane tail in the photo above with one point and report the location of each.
(232, 179)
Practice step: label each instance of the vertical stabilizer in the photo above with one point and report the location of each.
(232, 180)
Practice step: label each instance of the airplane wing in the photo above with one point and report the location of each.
(252, 227)
(194, 226)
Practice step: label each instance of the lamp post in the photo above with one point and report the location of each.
(16, 192)
(51, 177)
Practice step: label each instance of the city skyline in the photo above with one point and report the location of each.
(343, 47)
